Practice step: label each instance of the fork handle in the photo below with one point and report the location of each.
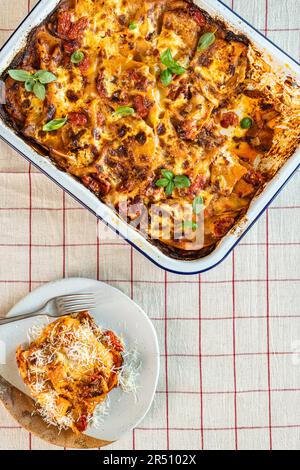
(5, 321)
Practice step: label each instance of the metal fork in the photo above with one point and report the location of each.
(59, 306)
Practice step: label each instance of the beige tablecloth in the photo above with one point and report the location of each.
(230, 372)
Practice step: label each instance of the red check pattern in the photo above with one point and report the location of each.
(229, 339)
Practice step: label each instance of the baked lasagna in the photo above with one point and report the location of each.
(159, 104)
(70, 368)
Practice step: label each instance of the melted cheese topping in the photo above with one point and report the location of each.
(191, 127)
(70, 369)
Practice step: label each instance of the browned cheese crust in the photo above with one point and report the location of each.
(190, 127)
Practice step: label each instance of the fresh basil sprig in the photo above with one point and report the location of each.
(124, 111)
(169, 181)
(173, 68)
(34, 83)
(206, 40)
(55, 124)
(77, 57)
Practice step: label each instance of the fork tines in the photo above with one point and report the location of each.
(76, 302)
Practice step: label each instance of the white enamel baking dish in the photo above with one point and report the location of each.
(100, 210)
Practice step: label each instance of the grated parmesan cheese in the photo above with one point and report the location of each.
(79, 349)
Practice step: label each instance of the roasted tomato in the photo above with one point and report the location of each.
(138, 79)
(63, 23)
(71, 46)
(229, 119)
(68, 30)
(84, 65)
(77, 28)
(114, 340)
(198, 184)
(82, 423)
(198, 17)
(78, 119)
(141, 105)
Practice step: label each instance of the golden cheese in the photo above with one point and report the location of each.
(70, 368)
(191, 127)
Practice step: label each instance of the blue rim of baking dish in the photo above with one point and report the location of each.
(113, 228)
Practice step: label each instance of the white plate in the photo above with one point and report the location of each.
(114, 311)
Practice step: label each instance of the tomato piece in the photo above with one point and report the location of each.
(63, 23)
(71, 46)
(114, 340)
(229, 119)
(139, 80)
(82, 423)
(198, 184)
(199, 17)
(77, 28)
(78, 119)
(141, 106)
(84, 65)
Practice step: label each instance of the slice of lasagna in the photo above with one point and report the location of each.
(70, 368)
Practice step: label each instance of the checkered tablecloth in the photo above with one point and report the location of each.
(229, 339)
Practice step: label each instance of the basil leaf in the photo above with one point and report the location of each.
(132, 26)
(162, 183)
(182, 181)
(55, 124)
(205, 41)
(44, 77)
(167, 174)
(173, 66)
(77, 57)
(39, 90)
(177, 69)
(166, 77)
(124, 111)
(166, 58)
(170, 188)
(29, 84)
(197, 204)
(20, 75)
(190, 224)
